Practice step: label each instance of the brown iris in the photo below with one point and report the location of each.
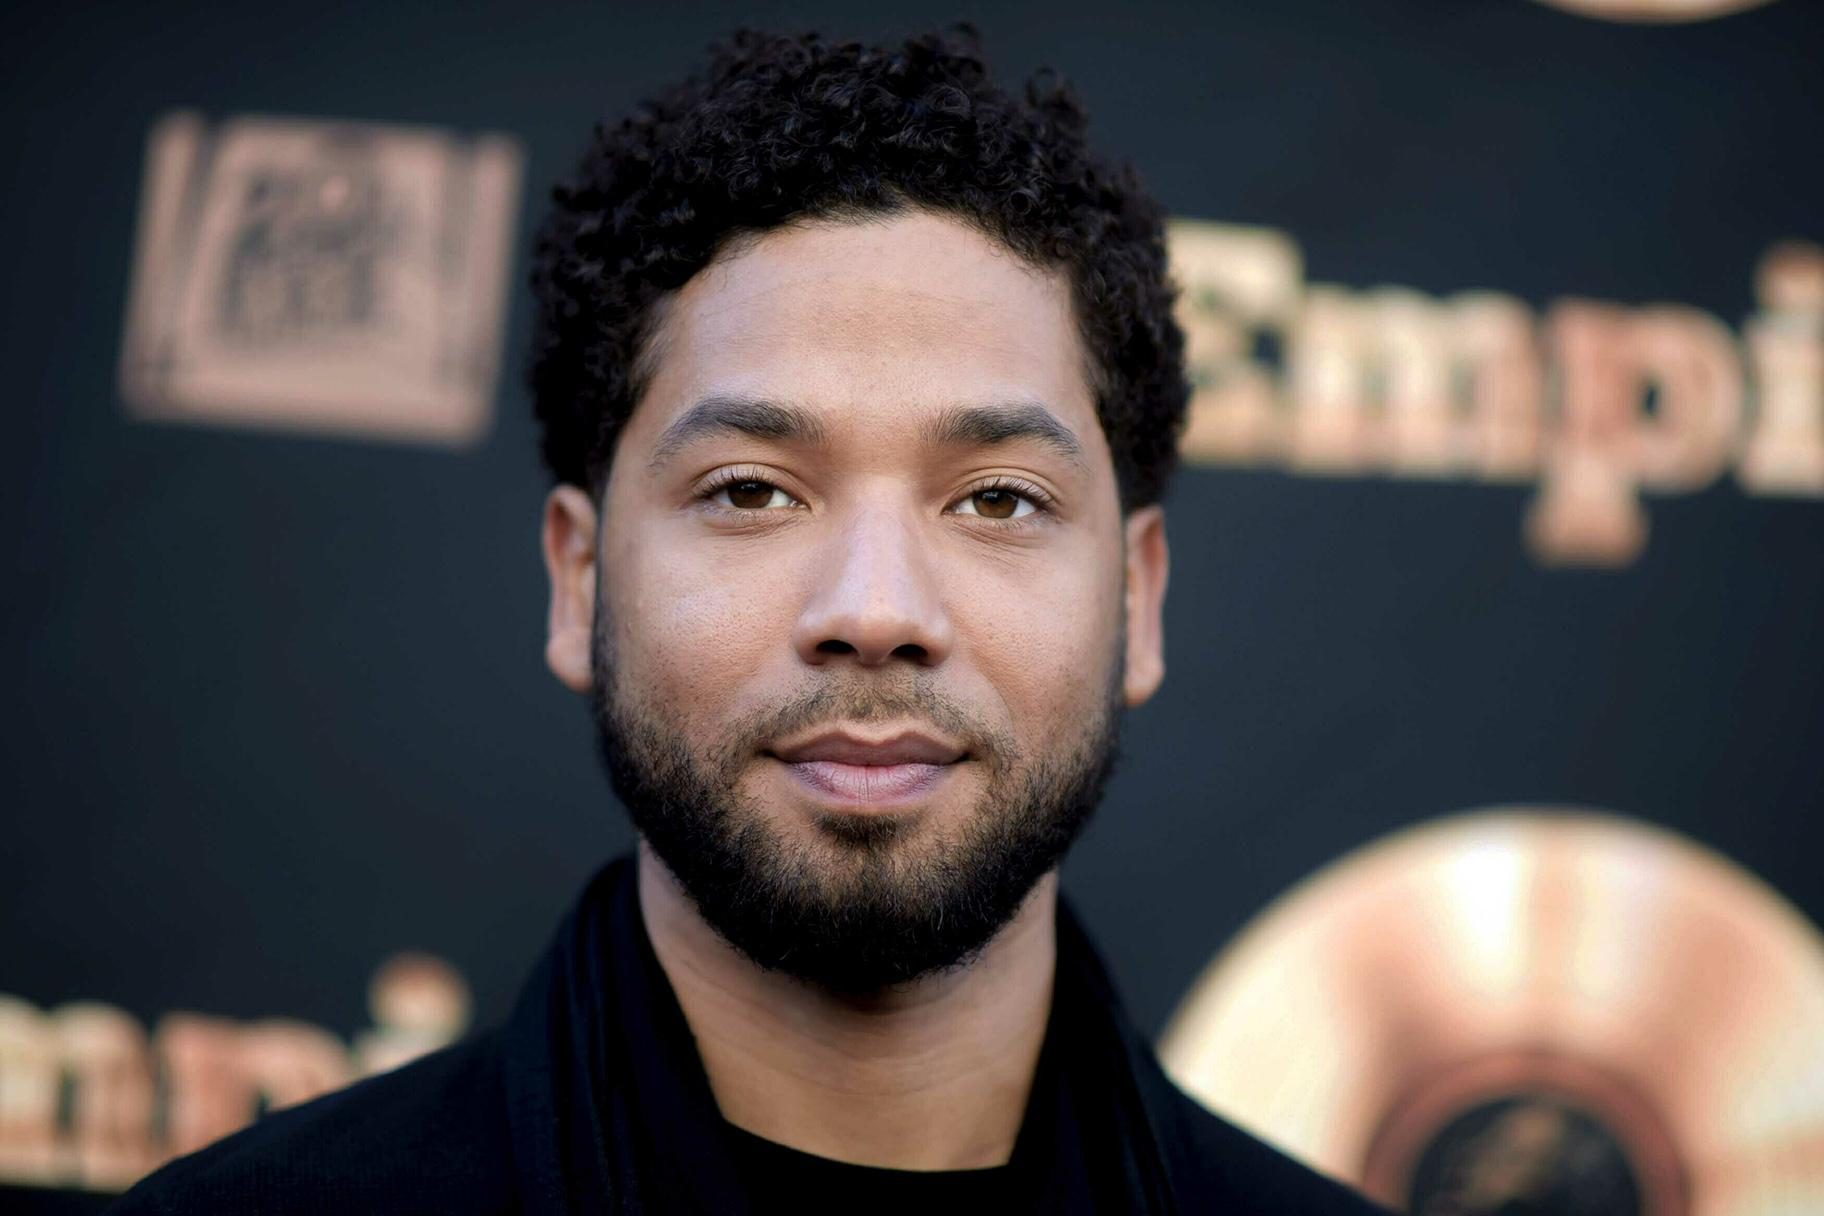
(996, 504)
(750, 495)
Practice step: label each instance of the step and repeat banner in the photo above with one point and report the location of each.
(1474, 849)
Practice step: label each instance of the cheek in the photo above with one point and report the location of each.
(1043, 637)
(693, 629)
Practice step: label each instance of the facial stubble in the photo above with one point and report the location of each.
(867, 900)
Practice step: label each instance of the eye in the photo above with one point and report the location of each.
(750, 494)
(996, 502)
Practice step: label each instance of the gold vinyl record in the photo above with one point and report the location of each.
(1523, 1011)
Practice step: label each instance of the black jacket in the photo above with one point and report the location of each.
(591, 1099)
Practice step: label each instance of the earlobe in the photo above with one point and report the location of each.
(568, 541)
(1147, 566)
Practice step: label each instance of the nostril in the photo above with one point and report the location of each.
(834, 646)
(913, 651)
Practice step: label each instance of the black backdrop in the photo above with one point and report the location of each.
(275, 707)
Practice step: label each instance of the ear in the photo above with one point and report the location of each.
(1147, 563)
(568, 541)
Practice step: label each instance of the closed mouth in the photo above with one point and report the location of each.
(852, 769)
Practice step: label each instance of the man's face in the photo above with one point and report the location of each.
(862, 607)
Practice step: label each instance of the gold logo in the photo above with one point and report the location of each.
(1526, 1010)
(330, 277)
(1654, 10)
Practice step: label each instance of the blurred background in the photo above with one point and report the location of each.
(1483, 805)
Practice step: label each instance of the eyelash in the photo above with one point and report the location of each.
(734, 477)
(1040, 500)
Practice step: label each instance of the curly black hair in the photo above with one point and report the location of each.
(785, 128)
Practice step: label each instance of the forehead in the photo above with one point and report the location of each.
(874, 324)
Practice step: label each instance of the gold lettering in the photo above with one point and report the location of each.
(1587, 510)
(30, 1074)
(418, 1003)
(110, 1076)
(1407, 350)
(1235, 284)
(208, 1093)
(216, 1074)
(1691, 361)
(1785, 452)
(1326, 378)
(1498, 366)
(1608, 441)
(1612, 401)
(290, 1062)
(1458, 384)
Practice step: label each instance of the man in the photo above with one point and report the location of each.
(860, 387)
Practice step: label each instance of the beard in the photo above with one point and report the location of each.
(860, 902)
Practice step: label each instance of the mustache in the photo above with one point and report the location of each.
(848, 702)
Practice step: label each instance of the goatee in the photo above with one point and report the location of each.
(868, 901)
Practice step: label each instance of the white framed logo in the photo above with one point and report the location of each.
(331, 277)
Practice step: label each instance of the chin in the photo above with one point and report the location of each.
(872, 832)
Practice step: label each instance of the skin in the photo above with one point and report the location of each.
(868, 554)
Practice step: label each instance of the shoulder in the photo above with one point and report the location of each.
(428, 1137)
(1218, 1166)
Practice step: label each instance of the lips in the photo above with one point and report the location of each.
(853, 771)
(842, 747)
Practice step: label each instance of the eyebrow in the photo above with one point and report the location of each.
(957, 426)
(753, 416)
(1006, 422)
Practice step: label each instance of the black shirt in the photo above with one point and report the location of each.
(782, 1179)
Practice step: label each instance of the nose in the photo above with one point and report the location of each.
(875, 598)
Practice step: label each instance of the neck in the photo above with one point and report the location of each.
(931, 1075)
